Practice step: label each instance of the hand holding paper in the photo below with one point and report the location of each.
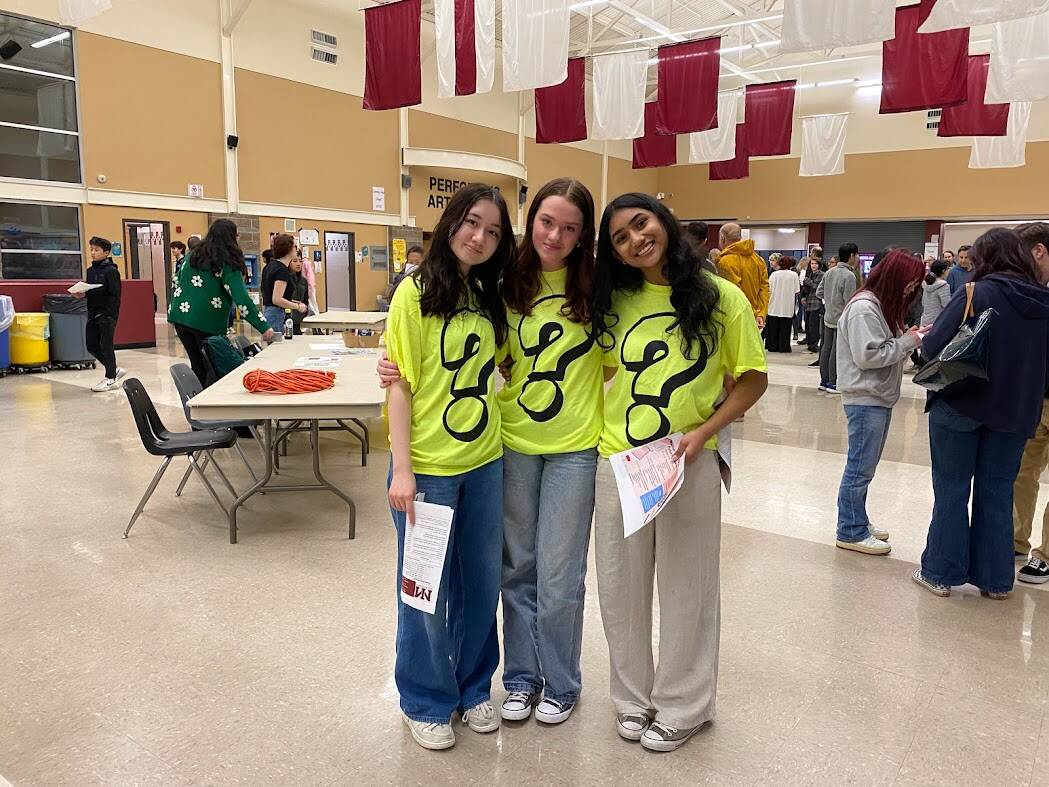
(425, 546)
(82, 287)
(648, 477)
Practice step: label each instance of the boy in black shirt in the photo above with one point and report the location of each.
(103, 308)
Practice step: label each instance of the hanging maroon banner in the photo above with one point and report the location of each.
(560, 111)
(465, 49)
(770, 118)
(654, 150)
(688, 87)
(974, 118)
(393, 68)
(737, 168)
(923, 71)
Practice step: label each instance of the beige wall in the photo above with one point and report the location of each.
(108, 222)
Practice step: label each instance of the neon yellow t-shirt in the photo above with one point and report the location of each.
(657, 390)
(552, 404)
(449, 366)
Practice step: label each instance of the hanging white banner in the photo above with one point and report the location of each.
(73, 12)
(620, 83)
(444, 28)
(823, 145)
(826, 24)
(1019, 61)
(484, 38)
(484, 25)
(952, 14)
(718, 144)
(1007, 151)
(535, 44)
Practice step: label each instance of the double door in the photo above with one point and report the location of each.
(340, 277)
(149, 257)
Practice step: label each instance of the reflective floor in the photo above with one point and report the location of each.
(173, 658)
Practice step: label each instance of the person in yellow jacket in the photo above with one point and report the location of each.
(744, 268)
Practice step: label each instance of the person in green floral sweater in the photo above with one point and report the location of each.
(209, 282)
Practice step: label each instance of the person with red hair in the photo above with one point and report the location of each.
(872, 348)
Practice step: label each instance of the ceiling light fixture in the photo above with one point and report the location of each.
(787, 230)
(52, 40)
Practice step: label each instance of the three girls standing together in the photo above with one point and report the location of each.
(526, 468)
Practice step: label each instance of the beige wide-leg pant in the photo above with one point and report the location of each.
(682, 549)
(1025, 491)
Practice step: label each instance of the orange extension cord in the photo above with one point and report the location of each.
(290, 381)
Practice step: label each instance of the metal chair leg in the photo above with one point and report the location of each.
(222, 475)
(149, 492)
(207, 484)
(247, 464)
(186, 475)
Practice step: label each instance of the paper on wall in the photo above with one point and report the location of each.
(425, 546)
(647, 478)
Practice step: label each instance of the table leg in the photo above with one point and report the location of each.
(266, 476)
(315, 438)
(359, 438)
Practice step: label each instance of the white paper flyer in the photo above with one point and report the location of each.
(647, 478)
(425, 545)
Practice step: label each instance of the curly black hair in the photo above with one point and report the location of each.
(444, 290)
(218, 249)
(693, 292)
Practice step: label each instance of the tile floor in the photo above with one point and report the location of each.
(173, 658)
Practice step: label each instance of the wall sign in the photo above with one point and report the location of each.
(441, 191)
(117, 250)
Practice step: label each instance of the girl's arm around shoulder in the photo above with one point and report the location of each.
(402, 483)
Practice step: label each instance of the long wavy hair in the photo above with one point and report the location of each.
(693, 293)
(1002, 251)
(521, 279)
(218, 249)
(444, 289)
(888, 281)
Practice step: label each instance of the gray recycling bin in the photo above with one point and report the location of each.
(68, 331)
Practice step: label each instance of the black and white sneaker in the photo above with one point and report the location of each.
(632, 726)
(1020, 557)
(553, 712)
(518, 705)
(1036, 572)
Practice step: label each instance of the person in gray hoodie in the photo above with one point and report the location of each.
(835, 288)
(936, 294)
(872, 348)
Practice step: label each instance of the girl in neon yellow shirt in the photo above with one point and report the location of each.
(671, 332)
(445, 325)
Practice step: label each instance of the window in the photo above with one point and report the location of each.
(39, 241)
(39, 137)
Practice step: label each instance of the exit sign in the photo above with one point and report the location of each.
(196, 190)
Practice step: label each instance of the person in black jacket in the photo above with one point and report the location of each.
(103, 308)
(978, 428)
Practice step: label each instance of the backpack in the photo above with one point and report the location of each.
(222, 356)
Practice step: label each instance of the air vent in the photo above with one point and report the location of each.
(324, 39)
(933, 121)
(324, 56)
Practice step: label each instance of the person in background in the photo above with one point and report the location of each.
(178, 254)
(962, 270)
(801, 267)
(208, 285)
(949, 257)
(740, 265)
(714, 258)
(812, 305)
(832, 262)
(835, 290)
(413, 260)
(696, 234)
(192, 242)
(103, 310)
(936, 294)
(978, 429)
(299, 291)
(772, 263)
(276, 283)
(784, 285)
(872, 348)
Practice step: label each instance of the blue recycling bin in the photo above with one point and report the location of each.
(5, 350)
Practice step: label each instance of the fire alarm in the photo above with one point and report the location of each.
(178, 229)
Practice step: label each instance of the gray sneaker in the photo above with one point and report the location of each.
(430, 735)
(943, 591)
(663, 737)
(481, 717)
(631, 726)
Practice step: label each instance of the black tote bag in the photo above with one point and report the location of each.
(965, 356)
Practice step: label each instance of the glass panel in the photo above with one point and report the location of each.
(55, 58)
(37, 101)
(59, 265)
(40, 227)
(39, 155)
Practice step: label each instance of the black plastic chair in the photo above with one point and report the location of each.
(158, 441)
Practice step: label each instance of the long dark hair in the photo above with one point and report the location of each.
(218, 249)
(521, 279)
(693, 293)
(936, 270)
(888, 281)
(1002, 251)
(443, 287)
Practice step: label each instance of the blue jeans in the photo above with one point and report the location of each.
(868, 430)
(549, 505)
(275, 317)
(445, 661)
(968, 456)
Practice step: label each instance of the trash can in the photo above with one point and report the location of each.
(29, 341)
(68, 331)
(7, 316)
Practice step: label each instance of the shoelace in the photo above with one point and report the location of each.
(484, 710)
(1037, 564)
(519, 696)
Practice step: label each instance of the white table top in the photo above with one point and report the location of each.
(356, 393)
(346, 320)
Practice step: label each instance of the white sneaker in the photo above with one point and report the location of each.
(553, 712)
(431, 736)
(878, 533)
(481, 717)
(868, 546)
(518, 705)
(121, 372)
(108, 384)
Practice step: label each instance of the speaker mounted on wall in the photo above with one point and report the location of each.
(9, 49)
(232, 141)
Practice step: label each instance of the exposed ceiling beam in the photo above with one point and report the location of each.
(656, 27)
(235, 17)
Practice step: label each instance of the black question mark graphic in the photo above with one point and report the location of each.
(471, 349)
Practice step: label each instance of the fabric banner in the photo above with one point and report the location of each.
(465, 46)
(535, 43)
(1007, 151)
(952, 14)
(73, 12)
(974, 118)
(392, 65)
(823, 145)
(1019, 61)
(769, 115)
(718, 144)
(739, 167)
(560, 111)
(923, 71)
(688, 86)
(654, 149)
(620, 82)
(827, 24)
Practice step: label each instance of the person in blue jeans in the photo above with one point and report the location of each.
(978, 428)
(871, 350)
(445, 325)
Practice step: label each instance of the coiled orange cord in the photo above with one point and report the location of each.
(290, 381)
